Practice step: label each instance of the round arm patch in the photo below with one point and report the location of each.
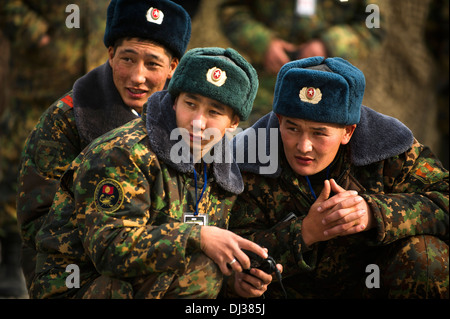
(108, 195)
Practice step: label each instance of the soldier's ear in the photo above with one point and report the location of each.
(173, 65)
(175, 103)
(280, 118)
(349, 129)
(111, 53)
(234, 122)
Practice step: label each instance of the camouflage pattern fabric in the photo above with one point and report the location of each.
(70, 53)
(56, 140)
(119, 214)
(408, 196)
(53, 143)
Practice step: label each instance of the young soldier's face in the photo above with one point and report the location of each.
(140, 68)
(311, 146)
(205, 119)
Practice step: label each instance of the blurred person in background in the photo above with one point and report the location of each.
(272, 33)
(45, 58)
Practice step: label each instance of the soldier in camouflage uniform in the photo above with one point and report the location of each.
(46, 57)
(271, 33)
(144, 48)
(146, 217)
(356, 206)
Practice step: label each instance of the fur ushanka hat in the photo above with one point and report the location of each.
(220, 74)
(162, 21)
(321, 90)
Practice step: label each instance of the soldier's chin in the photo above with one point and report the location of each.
(136, 104)
(198, 151)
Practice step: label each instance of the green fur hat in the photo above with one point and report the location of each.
(321, 90)
(220, 74)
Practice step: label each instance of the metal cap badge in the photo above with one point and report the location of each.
(310, 95)
(216, 76)
(155, 15)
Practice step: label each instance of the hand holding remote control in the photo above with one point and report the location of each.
(267, 265)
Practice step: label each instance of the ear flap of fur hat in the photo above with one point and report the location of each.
(321, 90)
(220, 74)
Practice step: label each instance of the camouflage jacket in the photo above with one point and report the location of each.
(404, 184)
(251, 24)
(92, 108)
(121, 203)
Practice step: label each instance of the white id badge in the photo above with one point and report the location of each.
(305, 8)
(199, 219)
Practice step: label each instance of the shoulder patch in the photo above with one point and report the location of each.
(68, 100)
(108, 195)
(426, 173)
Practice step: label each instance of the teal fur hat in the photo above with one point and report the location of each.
(162, 21)
(321, 90)
(220, 74)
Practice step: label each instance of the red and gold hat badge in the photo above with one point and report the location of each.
(310, 95)
(155, 15)
(216, 76)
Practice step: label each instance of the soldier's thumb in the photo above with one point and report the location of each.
(335, 187)
(326, 191)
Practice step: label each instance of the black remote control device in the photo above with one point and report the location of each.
(267, 265)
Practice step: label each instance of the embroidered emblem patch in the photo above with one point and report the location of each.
(425, 173)
(108, 195)
(216, 76)
(310, 95)
(155, 16)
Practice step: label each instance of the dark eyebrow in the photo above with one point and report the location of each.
(218, 106)
(290, 122)
(127, 51)
(192, 96)
(153, 56)
(317, 128)
(320, 128)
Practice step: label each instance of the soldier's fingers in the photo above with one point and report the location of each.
(335, 187)
(263, 277)
(243, 260)
(354, 229)
(248, 290)
(255, 281)
(280, 268)
(251, 246)
(343, 216)
(234, 265)
(337, 199)
(325, 191)
(347, 202)
(343, 229)
(225, 268)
